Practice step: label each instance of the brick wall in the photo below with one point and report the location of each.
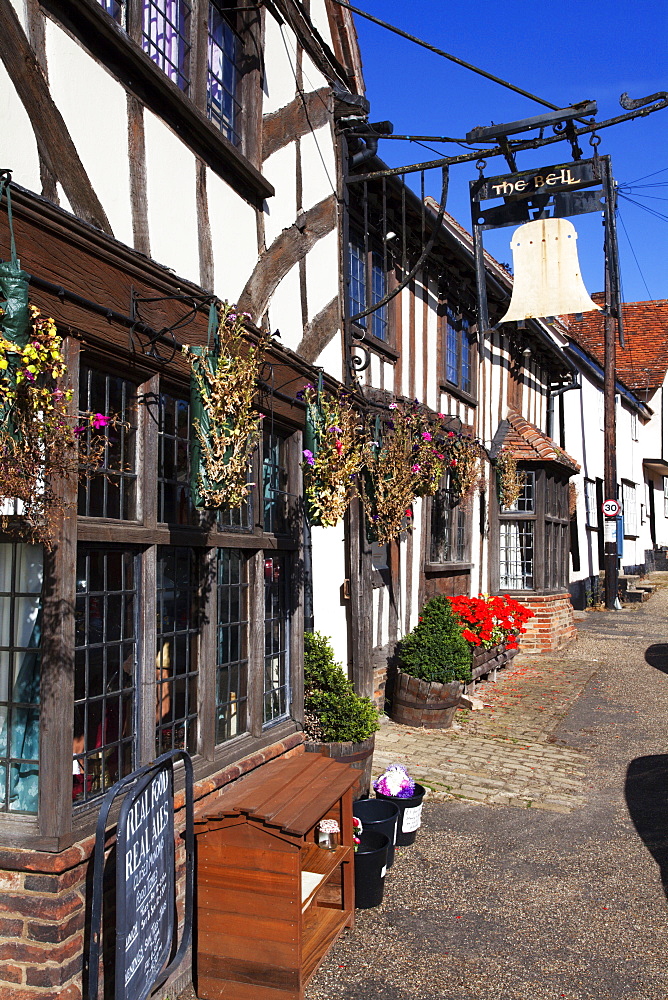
(43, 901)
(552, 626)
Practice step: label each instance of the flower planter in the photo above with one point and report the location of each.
(358, 755)
(370, 868)
(410, 814)
(424, 703)
(379, 816)
(486, 661)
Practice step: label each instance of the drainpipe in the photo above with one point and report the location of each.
(552, 394)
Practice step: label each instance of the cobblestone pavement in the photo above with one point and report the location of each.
(495, 902)
(503, 754)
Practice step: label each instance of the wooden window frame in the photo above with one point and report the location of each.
(370, 249)
(540, 516)
(446, 306)
(432, 565)
(119, 47)
(58, 823)
(627, 489)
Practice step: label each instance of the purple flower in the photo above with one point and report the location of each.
(78, 431)
(99, 421)
(426, 435)
(395, 782)
(308, 457)
(335, 430)
(416, 467)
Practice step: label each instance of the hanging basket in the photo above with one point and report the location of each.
(225, 425)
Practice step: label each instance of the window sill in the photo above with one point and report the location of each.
(448, 567)
(454, 390)
(379, 347)
(110, 44)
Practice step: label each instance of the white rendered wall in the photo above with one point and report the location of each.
(322, 279)
(279, 63)
(94, 107)
(281, 210)
(329, 615)
(20, 147)
(172, 208)
(233, 237)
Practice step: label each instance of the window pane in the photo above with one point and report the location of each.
(357, 286)
(21, 573)
(629, 509)
(177, 646)
(114, 8)
(451, 345)
(274, 482)
(378, 292)
(276, 643)
(448, 529)
(103, 749)
(166, 38)
(527, 498)
(232, 645)
(516, 555)
(111, 490)
(465, 356)
(224, 53)
(174, 501)
(591, 507)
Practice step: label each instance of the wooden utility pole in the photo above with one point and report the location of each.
(611, 326)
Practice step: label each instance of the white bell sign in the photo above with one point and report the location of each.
(547, 278)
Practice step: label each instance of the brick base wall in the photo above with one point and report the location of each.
(552, 626)
(43, 899)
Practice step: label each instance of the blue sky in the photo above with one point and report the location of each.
(564, 53)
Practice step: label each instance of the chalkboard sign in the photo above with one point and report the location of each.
(145, 899)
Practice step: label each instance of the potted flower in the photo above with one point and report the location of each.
(491, 626)
(396, 786)
(338, 722)
(434, 665)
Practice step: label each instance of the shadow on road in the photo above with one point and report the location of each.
(647, 802)
(657, 656)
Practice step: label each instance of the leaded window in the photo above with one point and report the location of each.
(274, 482)
(174, 502)
(166, 38)
(449, 541)
(367, 274)
(176, 660)
(534, 533)
(223, 73)
(232, 645)
(21, 576)
(458, 350)
(276, 639)
(111, 491)
(591, 506)
(630, 509)
(105, 658)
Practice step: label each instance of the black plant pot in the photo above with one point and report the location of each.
(370, 868)
(379, 816)
(410, 814)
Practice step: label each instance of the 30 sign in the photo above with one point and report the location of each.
(611, 508)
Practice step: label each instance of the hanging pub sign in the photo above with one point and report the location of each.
(547, 279)
(145, 905)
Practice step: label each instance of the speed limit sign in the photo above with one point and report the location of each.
(611, 508)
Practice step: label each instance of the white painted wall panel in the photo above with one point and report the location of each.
(331, 358)
(320, 21)
(285, 312)
(322, 273)
(20, 147)
(172, 208)
(318, 166)
(281, 210)
(279, 62)
(328, 576)
(233, 237)
(94, 107)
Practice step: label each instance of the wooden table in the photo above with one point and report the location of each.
(270, 901)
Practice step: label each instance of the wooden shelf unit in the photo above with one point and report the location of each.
(270, 901)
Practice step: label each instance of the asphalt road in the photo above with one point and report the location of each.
(499, 902)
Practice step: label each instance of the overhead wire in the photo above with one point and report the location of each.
(447, 55)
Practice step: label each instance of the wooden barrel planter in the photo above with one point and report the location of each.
(358, 755)
(424, 703)
(487, 661)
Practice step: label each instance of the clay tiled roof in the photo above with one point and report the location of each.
(643, 362)
(528, 444)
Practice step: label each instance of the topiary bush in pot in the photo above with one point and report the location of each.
(334, 713)
(436, 650)
(338, 722)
